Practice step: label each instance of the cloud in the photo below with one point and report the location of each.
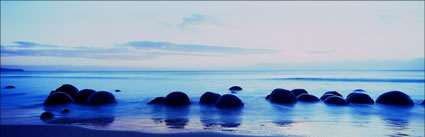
(25, 44)
(128, 51)
(196, 22)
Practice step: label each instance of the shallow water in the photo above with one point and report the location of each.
(23, 105)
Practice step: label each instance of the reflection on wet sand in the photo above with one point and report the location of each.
(176, 117)
(399, 127)
(212, 117)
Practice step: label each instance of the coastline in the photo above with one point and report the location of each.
(74, 131)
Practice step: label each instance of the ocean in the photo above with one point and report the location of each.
(24, 104)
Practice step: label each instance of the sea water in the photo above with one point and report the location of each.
(24, 104)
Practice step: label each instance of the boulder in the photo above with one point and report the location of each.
(58, 98)
(83, 95)
(46, 115)
(394, 98)
(228, 101)
(69, 89)
(209, 98)
(359, 90)
(101, 98)
(235, 88)
(423, 102)
(359, 98)
(8, 87)
(333, 93)
(299, 91)
(65, 111)
(282, 96)
(157, 100)
(117, 90)
(268, 97)
(177, 98)
(307, 98)
(337, 100)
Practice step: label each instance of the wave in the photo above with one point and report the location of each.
(354, 80)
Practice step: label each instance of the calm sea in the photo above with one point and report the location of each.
(23, 105)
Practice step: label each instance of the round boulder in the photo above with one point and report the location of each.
(101, 98)
(333, 93)
(394, 98)
(46, 115)
(69, 89)
(83, 95)
(228, 101)
(336, 100)
(359, 98)
(235, 88)
(307, 98)
(8, 87)
(209, 98)
(65, 111)
(299, 91)
(359, 90)
(58, 98)
(324, 96)
(423, 102)
(157, 100)
(282, 96)
(177, 98)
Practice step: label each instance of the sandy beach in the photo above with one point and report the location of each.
(73, 131)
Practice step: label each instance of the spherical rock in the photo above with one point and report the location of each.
(423, 102)
(359, 90)
(394, 98)
(333, 93)
(235, 88)
(8, 87)
(307, 98)
(282, 96)
(83, 95)
(157, 100)
(209, 98)
(101, 98)
(58, 98)
(336, 100)
(117, 90)
(359, 98)
(228, 101)
(268, 97)
(46, 115)
(69, 89)
(177, 98)
(299, 91)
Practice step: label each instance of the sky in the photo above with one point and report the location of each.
(178, 35)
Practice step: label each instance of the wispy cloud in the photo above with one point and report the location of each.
(128, 51)
(25, 44)
(197, 22)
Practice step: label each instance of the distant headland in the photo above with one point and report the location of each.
(8, 69)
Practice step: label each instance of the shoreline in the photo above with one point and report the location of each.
(75, 131)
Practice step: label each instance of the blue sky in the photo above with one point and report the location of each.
(213, 35)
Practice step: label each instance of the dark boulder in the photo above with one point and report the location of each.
(359, 98)
(423, 102)
(58, 98)
(282, 96)
(228, 101)
(235, 88)
(83, 95)
(101, 98)
(333, 93)
(337, 100)
(209, 98)
(69, 89)
(394, 98)
(117, 90)
(359, 90)
(268, 97)
(157, 100)
(177, 98)
(8, 87)
(46, 115)
(307, 98)
(299, 91)
(323, 97)
(65, 111)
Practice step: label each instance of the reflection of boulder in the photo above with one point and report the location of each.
(58, 98)
(359, 98)
(177, 98)
(299, 91)
(176, 122)
(398, 125)
(101, 98)
(46, 115)
(83, 95)
(208, 116)
(282, 96)
(394, 98)
(336, 100)
(157, 100)
(102, 121)
(230, 118)
(209, 98)
(307, 98)
(69, 89)
(176, 116)
(228, 101)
